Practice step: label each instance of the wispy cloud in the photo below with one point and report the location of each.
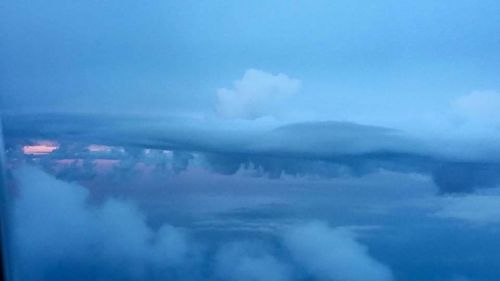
(477, 209)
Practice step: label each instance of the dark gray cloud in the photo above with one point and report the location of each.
(325, 149)
(310, 139)
(466, 176)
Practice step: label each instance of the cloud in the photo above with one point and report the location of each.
(275, 167)
(180, 161)
(246, 261)
(326, 149)
(333, 254)
(308, 139)
(255, 95)
(58, 235)
(329, 138)
(479, 106)
(480, 209)
(463, 177)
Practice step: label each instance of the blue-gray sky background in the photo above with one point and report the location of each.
(372, 62)
(252, 140)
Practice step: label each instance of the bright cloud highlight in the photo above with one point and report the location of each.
(255, 95)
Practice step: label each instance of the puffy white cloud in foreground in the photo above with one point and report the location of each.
(471, 208)
(256, 94)
(245, 261)
(334, 254)
(58, 234)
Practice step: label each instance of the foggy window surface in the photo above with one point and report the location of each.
(250, 140)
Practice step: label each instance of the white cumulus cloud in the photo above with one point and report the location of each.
(249, 262)
(56, 229)
(333, 254)
(255, 95)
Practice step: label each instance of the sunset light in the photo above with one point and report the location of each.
(40, 148)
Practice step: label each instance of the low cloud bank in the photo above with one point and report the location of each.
(327, 149)
(59, 235)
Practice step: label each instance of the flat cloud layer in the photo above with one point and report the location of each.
(479, 209)
(326, 148)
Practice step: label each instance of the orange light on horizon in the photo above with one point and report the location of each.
(40, 148)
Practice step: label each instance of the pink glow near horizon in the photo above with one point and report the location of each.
(40, 148)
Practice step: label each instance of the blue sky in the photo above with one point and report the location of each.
(356, 60)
